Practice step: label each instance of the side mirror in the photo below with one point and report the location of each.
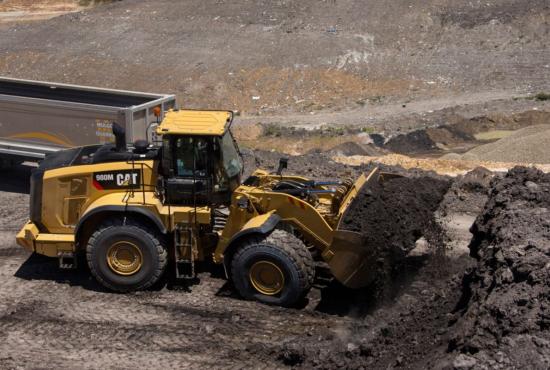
(283, 164)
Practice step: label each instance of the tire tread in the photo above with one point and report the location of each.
(150, 232)
(292, 246)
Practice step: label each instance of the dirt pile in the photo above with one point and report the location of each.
(351, 148)
(468, 193)
(321, 166)
(408, 328)
(503, 318)
(501, 121)
(460, 134)
(314, 165)
(528, 145)
(394, 214)
(413, 142)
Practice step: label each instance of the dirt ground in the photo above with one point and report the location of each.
(18, 11)
(65, 320)
(427, 89)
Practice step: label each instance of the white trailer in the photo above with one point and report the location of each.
(37, 118)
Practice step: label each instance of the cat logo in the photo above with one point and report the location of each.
(124, 179)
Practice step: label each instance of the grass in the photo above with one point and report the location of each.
(93, 2)
(276, 130)
(334, 131)
(273, 130)
(368, 129)
(374, 99)
(297, 140)
(542, 96)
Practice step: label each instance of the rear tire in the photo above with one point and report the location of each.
(126, 256)
(276, 269)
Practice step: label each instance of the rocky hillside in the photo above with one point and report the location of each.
(290, 56)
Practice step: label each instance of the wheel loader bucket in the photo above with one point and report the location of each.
(352, 261)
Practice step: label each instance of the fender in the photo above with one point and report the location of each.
(124, 210)
(262, 224)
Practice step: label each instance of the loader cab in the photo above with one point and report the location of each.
(201, 164)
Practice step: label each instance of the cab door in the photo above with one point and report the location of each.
(188, 164)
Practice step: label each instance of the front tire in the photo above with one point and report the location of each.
(126, 256)
(276, 269)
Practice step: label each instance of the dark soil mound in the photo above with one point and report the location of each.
(504, 313)
(395, 213)
(414, 142)
(313, 165)
(377, 139)
(469, 193)
(351, 148)
(408, 327)
(321, 166)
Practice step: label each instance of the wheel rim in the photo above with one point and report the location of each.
(267, 278)
(124, 258)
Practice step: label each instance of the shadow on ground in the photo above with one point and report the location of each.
(335, 299)
(38, 267)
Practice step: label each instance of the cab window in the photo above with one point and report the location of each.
(191, 157)
(231, 159)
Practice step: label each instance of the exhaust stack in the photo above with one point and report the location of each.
(120, 137)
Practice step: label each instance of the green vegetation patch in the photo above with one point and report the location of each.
(542, 96)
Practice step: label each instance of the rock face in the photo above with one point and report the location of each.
(504, 314)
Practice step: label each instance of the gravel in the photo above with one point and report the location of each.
(528, 145)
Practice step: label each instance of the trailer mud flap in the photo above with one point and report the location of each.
(352, 262)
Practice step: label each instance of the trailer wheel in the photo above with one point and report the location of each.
(126, 256)
(276, 269)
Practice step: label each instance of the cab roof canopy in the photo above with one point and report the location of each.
(195, 122)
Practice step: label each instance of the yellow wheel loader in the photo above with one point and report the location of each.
(134, 211)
